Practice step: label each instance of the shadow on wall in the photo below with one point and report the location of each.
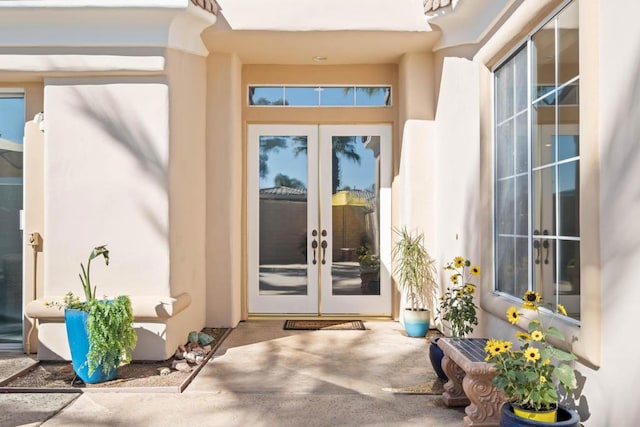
(133, 135)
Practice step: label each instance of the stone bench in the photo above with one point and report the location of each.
(470, 381)
(153, 315)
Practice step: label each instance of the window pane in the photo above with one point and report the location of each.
(504, 265)
(543, 119)
(568, 47)
(569, 286)
(544, 268)
(266, 95)
(504, 92)
(504, 206)
(504, 149)
(521, 266)
(12, 118)
(569, 191)
(544, 57)
(301, 96)
(522, 130)
(373, 96)
(522, 206)
(544, 201)
(520, 64)
(337, 96)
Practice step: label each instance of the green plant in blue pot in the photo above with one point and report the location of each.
(100, 331)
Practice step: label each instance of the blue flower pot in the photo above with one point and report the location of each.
(416, 323)
(435, 356)
(78, 337)
(565, 418)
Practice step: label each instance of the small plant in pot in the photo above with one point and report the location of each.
(369, 270)
(415, 275)
(100, 331)
(456, 308)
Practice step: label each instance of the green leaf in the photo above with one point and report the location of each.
(556, 353)
(554, 332)
(566, 376)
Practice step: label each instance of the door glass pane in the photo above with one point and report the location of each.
(11, 167)
(355, 184)
(283, 215)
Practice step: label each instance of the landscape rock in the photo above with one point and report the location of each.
(182, 366)
(164, 371)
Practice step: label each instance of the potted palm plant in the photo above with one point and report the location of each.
(100, 331)
(415, 275)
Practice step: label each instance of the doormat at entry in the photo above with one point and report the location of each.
(325, 325)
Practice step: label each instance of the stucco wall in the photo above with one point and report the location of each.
(106, 182)
(225, 190)
(619, 133)
(187, 188)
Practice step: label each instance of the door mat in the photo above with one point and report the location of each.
(431, 387)
(325, 325)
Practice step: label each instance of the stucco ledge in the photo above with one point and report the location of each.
(144, 307)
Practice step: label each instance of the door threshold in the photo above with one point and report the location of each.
(317, 317)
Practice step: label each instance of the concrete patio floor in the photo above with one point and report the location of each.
(265, 376)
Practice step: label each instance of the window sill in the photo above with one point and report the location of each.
(585, 347)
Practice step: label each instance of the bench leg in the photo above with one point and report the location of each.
(454, 394)
(486, 400)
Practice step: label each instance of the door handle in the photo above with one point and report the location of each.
(314, 245)
(324, 251)
(324, 247)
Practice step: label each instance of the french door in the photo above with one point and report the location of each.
(319, 219)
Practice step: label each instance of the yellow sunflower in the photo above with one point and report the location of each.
(546, 362)
(475, 270)
(513, 315)
(531, 299)
(532, 354)
(537, 335)
(454, 279)
(469, 288)
(543, 379)
(523, 336)
(458, 294)
(562, 310)
(458, 261)
(506, 346)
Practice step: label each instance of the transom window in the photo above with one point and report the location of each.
(537, 166)
(320, 96)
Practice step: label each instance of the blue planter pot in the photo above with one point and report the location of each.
(565, 418)
(435, 356)
(416, 323)
(78, 337)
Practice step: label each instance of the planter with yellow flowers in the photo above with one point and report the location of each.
(529, 372)
(457, 309)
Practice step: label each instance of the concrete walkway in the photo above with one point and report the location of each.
(264, 376)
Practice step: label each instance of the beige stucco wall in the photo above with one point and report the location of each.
(106, 182)
(187, 189)
(224, 191)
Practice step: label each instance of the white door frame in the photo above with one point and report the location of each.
(319, 299)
